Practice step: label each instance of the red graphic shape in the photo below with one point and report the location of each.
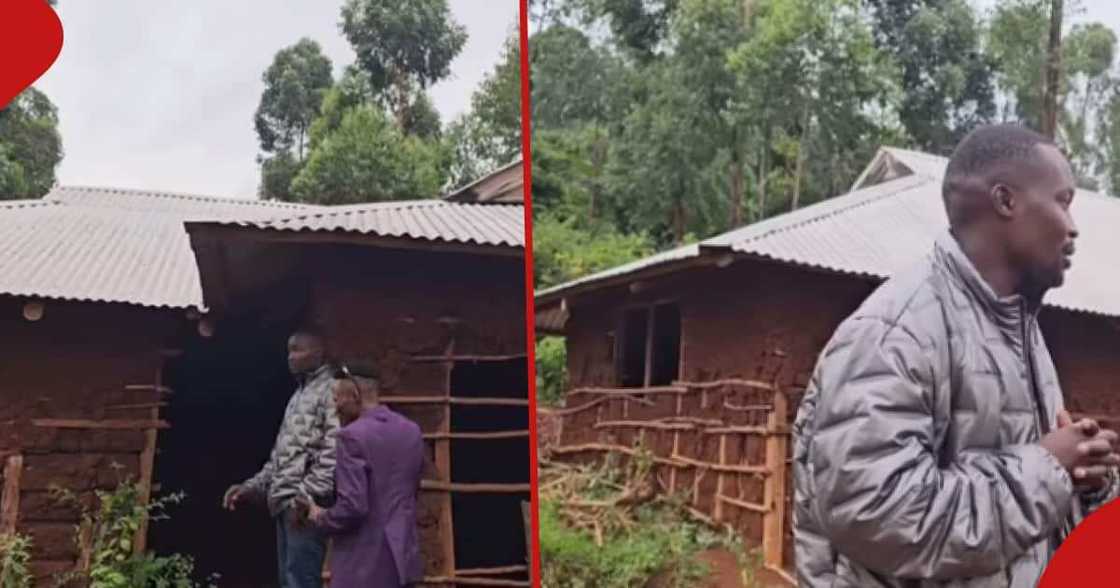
(1086, 558)
(30, 41)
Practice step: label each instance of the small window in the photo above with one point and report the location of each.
(649, 350)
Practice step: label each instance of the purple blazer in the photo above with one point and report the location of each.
(373, 523)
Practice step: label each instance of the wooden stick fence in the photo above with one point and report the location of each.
(746, 409)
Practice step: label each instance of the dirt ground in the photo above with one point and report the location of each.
(724, 571)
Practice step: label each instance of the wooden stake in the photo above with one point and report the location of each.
(486, 435)
(85, 546)
(678, 461)
(460, 488)
(450, 400)
(492, 571)
(774, 488)
(147, 467)
(717, 507)
(9, 497)
(468, 581)
(112, 424)
(443, 464)
(760, 508)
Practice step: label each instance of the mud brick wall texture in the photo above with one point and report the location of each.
(75, 363)
(411, 306)
(766, 321)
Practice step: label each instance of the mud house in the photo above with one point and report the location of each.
(702, 353)
(148, 330)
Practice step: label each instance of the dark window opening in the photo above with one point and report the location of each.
(488, 528)
(632, 355)
(666, 349)
(650, 350)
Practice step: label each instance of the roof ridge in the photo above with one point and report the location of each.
(26, 203)
(363, 207)
(184, 196)
(867, 200)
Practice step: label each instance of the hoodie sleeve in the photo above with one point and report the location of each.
(884, 499)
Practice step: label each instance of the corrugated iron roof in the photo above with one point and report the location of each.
(131, 246)
(504, 185)
(883, 228)
(428, 220)
(112, 245)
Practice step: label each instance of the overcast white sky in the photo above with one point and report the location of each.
(161, 95)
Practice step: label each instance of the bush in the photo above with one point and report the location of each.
(15, 554)
(606, 527)
(112, 531)
(552, 370)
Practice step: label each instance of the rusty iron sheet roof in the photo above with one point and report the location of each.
(129, 246)
(876, 231)
(425, 220)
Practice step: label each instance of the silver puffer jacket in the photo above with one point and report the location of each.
(916, 455)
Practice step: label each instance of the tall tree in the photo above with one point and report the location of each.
(30, 146)
(294, 85)
(946, 77)
(1052, 89)
(489, 134)
(369, 159)
(639, 26)
(404, 47)
(814, 87)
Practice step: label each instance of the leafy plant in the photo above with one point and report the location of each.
(111, 530)
(15, 554)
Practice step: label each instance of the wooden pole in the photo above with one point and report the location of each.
(443, 465)
(9, 497)
(774, 488)
(717, 507)
(147, 467)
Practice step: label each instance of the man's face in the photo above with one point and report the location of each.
(305, 353)
(1042, 232)
(346, 401)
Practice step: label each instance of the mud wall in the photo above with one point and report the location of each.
(404, 310)
(74, 363)
(767, 321)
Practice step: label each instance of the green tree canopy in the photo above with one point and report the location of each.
(369, 159)
(30, 146)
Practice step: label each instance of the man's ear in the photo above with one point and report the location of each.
(1003, 200)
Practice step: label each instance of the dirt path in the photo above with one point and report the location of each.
(724, 572)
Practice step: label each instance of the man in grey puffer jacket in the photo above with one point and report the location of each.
(932, 447)
(301, 464)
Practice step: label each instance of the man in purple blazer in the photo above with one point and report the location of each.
(377, 477)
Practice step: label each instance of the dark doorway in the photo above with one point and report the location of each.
(665, 352)
(229, 397)
(635, 340)
(488, 527)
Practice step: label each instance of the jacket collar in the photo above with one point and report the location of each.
(306, 378)
(1007, 313)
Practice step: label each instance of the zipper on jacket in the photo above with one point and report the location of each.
(1042, 422)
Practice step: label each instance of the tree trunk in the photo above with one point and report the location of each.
(598, 160)
(763, 171)
(799, 169)
(1053, 72)
(736, 171)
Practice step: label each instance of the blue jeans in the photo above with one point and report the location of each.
(299, 554)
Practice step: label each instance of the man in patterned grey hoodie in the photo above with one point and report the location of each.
(301, 464)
